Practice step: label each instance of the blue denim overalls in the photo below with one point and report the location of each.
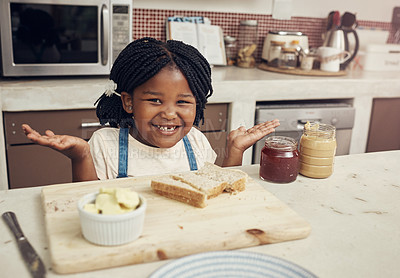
(123, 153)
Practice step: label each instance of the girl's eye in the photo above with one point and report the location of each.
(156, 100)
(183, 102)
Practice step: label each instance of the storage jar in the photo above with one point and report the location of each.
(230, 50)
(279, 161)
(247, 44)
(274, 53)
(317, 150)
(288, 58)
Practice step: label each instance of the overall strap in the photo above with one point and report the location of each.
(190, 154)
(123, 153)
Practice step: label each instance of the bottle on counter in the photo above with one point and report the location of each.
(279, 162)
(317, 150)
(247, 44)
(274, 53)
(230, 50)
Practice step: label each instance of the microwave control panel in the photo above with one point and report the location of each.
(120, 29)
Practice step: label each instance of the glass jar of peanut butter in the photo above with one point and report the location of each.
(317, 150)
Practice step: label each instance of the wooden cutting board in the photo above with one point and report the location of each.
(171, 229)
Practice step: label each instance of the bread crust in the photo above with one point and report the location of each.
(182, 199)
(170, 188)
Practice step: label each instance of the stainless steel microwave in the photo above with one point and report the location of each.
(63, 37)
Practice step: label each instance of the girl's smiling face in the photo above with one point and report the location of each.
(164, 109)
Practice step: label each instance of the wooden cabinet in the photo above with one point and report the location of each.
(384, 130)
(33, 165)
(215, 128)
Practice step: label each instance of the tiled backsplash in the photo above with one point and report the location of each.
(151, 22)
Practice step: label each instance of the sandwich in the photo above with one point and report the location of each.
(194, 188)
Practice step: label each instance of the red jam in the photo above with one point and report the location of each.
(279, 160)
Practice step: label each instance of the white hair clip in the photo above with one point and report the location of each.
(111, 86)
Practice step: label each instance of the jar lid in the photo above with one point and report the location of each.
(229, 39)
(286, 33)
(248, 22)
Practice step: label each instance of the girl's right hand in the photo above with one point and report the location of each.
(71, 146)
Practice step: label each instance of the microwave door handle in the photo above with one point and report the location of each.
(105, 31)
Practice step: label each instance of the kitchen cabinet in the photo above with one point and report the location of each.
(384, 130)
(33, 165)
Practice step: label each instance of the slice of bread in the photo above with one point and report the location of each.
(194, 188)
(235, 179)
(180, 191)
(210, 187)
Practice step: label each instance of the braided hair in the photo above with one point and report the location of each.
(144, 58)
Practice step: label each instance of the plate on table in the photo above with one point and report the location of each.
(218, 264)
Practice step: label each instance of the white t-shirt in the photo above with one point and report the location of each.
(143, 159)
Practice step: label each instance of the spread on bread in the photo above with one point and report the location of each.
(194, 188)
(114, 201)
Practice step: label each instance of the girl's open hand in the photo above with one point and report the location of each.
(241, 139)
(70, 146)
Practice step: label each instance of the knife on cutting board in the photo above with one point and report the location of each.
(31, 258)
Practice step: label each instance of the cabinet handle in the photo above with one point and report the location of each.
(87, 125)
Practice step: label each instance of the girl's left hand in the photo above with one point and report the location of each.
(241, 139)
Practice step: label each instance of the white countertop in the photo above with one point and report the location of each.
(354, 216)
(239, 87)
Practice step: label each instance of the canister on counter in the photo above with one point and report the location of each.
(247, 44)
(317, 150)
(288, 58)
(230, 50)
(274, 53)
(279, 161)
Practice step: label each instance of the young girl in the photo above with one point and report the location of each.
(157, 92)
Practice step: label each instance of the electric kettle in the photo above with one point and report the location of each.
(337, 34)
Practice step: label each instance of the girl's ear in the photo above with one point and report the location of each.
(127, 102)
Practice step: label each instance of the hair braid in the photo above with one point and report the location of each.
(144, 58)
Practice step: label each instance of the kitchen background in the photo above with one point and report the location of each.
(307, 16)
(70, 101)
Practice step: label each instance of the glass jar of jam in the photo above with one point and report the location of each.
(317, 150)
(279, 160)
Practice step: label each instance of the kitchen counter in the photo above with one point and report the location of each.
(239, 87)
(354, 215)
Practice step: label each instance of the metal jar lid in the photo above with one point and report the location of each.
(229, 39)
(248, 22)
(287, 33)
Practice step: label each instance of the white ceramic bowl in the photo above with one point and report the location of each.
(111, 229)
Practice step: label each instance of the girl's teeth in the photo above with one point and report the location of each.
(164, 128)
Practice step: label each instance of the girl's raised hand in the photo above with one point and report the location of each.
(241, 139)
(70, 146)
